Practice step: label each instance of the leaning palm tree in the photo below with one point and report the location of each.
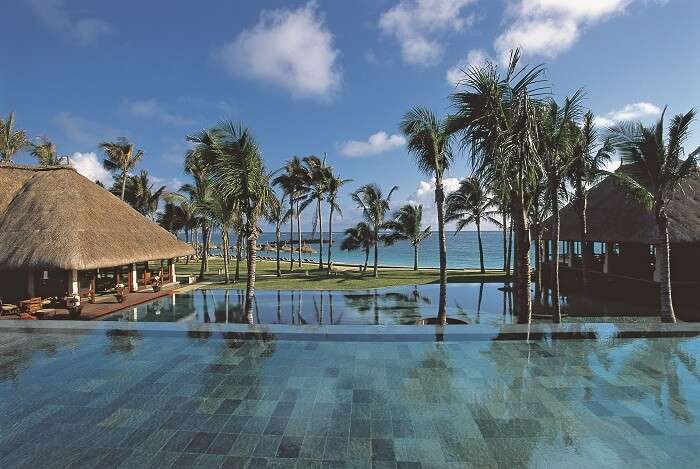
(45, 152)
(585, 170)
(359, 237)
(120, 159)
(653, 171)
(407, 224)
(496, 115)
(555, 142)
(429, 141)
(374, 205)
(240, 173)
(471, 203)
(317, 174)
(334, 184)
(11, 141)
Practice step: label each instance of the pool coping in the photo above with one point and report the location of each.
(362, 333)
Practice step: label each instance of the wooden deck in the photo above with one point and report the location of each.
(108, 304)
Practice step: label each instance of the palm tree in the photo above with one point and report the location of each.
(428, 140)
(224, 213)
(317, 174)
(556, 141)
(653, 171)
(539, 213)
(11, 141)
(120, 159)
(277, 214)
(334, 184)
(406, 223)
(179, 214)
(240, 173)
(45, 152)
(294, 182)
(359, 237)
(471, 203)
(497, 117)
(374, 205)
(586, 169)
(139, 194)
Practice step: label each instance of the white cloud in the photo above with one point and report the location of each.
(547, 28)
(475, 58)
(153, 110)
(292, 49)
(55, 16)
(425, 196)
(89, 165)
(418, 26)
(629, 112)
(376, 143)
(84, 131)
(171, 185)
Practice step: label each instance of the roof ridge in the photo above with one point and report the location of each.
(33, 167)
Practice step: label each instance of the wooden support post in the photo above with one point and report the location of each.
(30, 283)
(73, 284)
(171, 268)
(133, 280)
(93, 286)
(570, 253)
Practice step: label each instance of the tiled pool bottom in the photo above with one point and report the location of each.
(104, 399)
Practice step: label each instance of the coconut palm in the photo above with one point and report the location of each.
(360, 236)
(374, 205)
(179, 214)
(333, 186)
(429, 141)
(120, 159)
(294, 182)
(45, 152)
(496, 115)
(240, 173)
(471, 203)
(277, 214)
(653, 171)
(586, 169)
(317, 174)
(555, 141)
(140, 194)
(539, 213)
(407, 224)
(11, 141)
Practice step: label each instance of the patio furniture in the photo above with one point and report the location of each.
(31, 305)
(7, 308)
(121, 293)
(45, 313)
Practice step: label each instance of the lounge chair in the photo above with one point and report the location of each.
(31, 306)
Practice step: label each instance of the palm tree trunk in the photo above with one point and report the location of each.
(538, 267)
(330, 236)
(291, 235)
(224, 242)
(509, 261)
(124, 175)
(415, 257)
(440, 205)
(481, 247)
(277, 244)
(237, 276)
(504, 216)
(320, 237)
(187, 240)
(520, 227)
(364, 268)
(376, 251)
(585, 254)
(556, 308)
(298, 235)
(252, 261)
(666, 311)
(205, 252)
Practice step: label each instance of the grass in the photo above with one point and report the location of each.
(308, 277)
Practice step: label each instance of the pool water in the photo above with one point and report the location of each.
(470, 303)
(107, 399)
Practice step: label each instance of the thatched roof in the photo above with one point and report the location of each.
(613, 217)
(52, 217)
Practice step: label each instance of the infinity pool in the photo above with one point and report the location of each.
(471, 303)
(137, 399)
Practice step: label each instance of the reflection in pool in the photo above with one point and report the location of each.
(470, 303)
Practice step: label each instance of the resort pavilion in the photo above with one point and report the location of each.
(622, 235)
(62, 233)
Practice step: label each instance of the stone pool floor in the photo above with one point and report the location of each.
(103, 398)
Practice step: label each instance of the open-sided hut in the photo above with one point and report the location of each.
(62, 233)
(622, 234)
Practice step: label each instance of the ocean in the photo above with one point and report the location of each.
(462, 250)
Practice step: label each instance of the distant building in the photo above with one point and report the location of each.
(62, 233)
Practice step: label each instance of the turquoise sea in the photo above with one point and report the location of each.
(462, 250)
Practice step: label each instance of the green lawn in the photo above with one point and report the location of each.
(308, 277)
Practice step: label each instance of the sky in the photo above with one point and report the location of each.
(322, 77)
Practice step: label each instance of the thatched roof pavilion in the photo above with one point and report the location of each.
(620, 227)
(53, 218)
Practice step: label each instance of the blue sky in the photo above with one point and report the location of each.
(323, 76)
